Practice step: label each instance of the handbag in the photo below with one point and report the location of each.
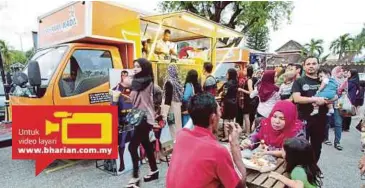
(170, 118)
(136, 116)
(345, 106)
(165, 135)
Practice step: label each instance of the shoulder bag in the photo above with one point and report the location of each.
(136, 116)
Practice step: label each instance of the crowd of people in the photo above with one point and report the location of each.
(291, 110)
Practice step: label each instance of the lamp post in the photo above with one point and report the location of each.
(21, 39)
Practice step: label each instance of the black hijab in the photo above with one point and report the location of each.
(354, 77)
(144, 78)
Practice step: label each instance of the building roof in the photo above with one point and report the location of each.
(283, 59)
(347, 60)
(290, 46)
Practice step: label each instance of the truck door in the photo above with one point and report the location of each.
(84, 78)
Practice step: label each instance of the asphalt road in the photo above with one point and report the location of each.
(339, 168)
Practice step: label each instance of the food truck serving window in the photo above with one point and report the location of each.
(85, 70)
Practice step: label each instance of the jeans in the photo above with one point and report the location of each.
(141, 135)
(328, 125)
(338, 126)
(336, 121)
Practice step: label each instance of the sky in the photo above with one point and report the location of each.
(320, 19)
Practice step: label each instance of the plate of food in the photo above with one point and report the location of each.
(257, 160)
(260, 163)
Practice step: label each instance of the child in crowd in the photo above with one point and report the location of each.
(286, 87)
(301, 165)
(328, 90)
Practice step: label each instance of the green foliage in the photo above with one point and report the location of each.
(314, 47)
(5, 52)
(11, 56)
(18, 56)
(29, 53)
(240, 15)
(258, 38)
(342, 45)
(358, 44)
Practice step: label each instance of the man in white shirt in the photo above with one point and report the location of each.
(164, 47)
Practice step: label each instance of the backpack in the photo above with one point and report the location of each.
(212, 88)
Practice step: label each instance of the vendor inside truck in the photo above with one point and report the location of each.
(165, 48)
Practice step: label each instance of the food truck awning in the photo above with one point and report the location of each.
(194, 26)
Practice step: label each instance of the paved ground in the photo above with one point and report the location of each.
(339, 168)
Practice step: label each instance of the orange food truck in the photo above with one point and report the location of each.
(227, 58)
(80, 42)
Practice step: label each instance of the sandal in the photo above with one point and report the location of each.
(338, 147)
(133, 183)
(327, 142)
(164, 159)
(151, 176)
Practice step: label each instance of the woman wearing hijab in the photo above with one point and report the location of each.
(268, 94)
(353, 86)
(281, 124)
(173, 93)
(229, 94)
(337, 75)
(192, 87)
(142, 98)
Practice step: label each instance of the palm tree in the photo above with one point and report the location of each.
(341, 45)
(5, 52)
(314, 47)
(358, 43)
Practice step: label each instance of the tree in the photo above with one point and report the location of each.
(314, 47)
(358, 44)
(29, 53)
(5, 52)
(239, 15)
(342, 45)
(258, 38)
(18, 56)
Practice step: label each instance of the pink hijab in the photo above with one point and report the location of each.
(267, 86)
(292, 125)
